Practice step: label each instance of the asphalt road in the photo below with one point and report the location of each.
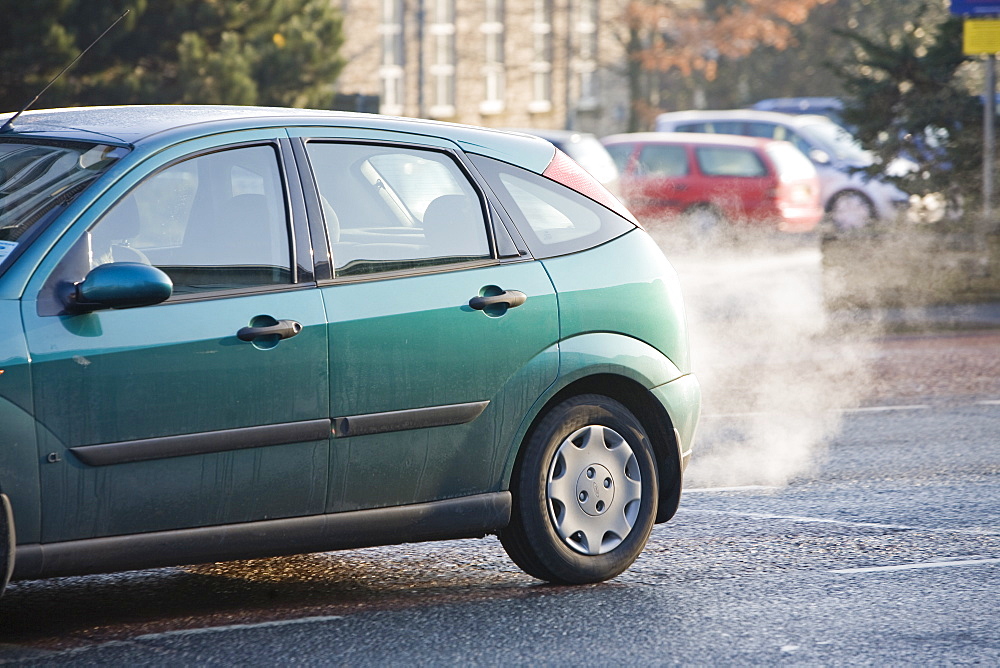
(843, 508)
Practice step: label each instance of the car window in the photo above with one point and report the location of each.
(621, 153)
(728, 128)
(40, 178)
(213, 222)
(765, 130)
(391, 208)
(729, 161)
(694, 127)
(799, 142)
(658, 160)
(552, 219)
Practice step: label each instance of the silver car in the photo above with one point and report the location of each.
(850, 197)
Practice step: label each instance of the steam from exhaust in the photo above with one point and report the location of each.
(776, 372)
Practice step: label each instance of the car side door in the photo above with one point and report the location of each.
(663, 182)
(210, 408)
(736, 179)
(442, 335)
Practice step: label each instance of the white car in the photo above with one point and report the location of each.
(850, 197)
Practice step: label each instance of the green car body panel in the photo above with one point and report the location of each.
(18, 452)
(393, 354)
(395, 397)
(633, 296)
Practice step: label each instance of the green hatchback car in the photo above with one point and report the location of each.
(233, 332)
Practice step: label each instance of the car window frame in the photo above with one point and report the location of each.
(49, 303)
(319, 227)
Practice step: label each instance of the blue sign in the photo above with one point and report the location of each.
(980, 8)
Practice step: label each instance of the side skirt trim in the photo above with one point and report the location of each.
(465, 517)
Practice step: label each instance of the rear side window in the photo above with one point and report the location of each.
(552, 218)
(661, 160)
(729, 161)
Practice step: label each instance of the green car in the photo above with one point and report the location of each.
(233, 332)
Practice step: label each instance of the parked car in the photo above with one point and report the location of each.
(235, 332)
(831, 107)
(850, 198)
(742, 180)
(587, 150)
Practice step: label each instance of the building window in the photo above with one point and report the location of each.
(393, 57)
(494, 73)
(442, 68)
(541, 63)
(585, 66)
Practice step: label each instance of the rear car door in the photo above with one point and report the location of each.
(663, 181)
(735, 178)
(431, 371)
(163, 417)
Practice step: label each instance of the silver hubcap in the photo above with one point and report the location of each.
(850, 211)
(594, 490)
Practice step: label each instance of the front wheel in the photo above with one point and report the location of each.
(585, 493)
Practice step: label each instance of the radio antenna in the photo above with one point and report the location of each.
(9, 125)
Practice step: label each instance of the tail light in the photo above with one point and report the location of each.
(564, 170)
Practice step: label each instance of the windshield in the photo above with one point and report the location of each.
(37, 178)
(838, 142)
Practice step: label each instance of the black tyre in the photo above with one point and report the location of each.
(7, 542)
(584, 493)
(850, 210)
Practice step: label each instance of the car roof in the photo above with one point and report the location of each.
(798, 104)
(134, 125)
(555, 135)
(741, 115)
(693, 138)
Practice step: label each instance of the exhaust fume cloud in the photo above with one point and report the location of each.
(775, 370)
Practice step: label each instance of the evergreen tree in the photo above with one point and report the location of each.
(271, 52)
(907, 99)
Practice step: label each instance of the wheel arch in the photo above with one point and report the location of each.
(650, 413)
(848, 191)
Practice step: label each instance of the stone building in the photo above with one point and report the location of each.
(555, 64)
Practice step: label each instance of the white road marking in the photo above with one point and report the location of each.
(238, 627)
(722, 416)
(744, 488)
(926, 564)
(882, 409)
(989, 402)
(863, 409)
(824, 520)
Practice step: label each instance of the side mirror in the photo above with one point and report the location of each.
(819, 156)
(119, 285)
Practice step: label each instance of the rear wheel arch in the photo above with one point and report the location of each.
(648, 411)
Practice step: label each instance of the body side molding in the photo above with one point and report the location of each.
(122, 452)
(414, 418)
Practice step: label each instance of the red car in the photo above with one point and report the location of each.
(714, 178)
